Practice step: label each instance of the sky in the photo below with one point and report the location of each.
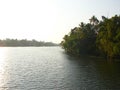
(49, 20)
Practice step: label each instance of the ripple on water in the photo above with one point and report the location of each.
(49, 68)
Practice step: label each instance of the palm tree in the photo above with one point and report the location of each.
(94, 20)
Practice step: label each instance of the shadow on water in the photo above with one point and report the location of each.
(93, 73)
(109, 74)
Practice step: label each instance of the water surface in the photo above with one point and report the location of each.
(50, 68)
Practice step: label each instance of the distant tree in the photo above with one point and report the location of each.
(24, 42)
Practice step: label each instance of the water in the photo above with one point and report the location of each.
(50, 68)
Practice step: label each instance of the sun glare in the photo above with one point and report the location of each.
(3, 63)
(2, 58)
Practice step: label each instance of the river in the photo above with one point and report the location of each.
(50, 68)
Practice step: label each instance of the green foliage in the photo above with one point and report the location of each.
(108, 38)
(96, 38)
(81, 40)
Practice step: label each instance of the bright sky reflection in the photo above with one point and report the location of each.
(3, 65)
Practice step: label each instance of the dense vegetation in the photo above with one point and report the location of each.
(98, 37)
(24, 42)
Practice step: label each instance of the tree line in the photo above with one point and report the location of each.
(98, 37)
(24, 42)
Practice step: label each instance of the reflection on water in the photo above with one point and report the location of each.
(50, 68)
(109, 74)
(3, 65)
(2, 58)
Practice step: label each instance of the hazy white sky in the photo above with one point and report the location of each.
(49, 20)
